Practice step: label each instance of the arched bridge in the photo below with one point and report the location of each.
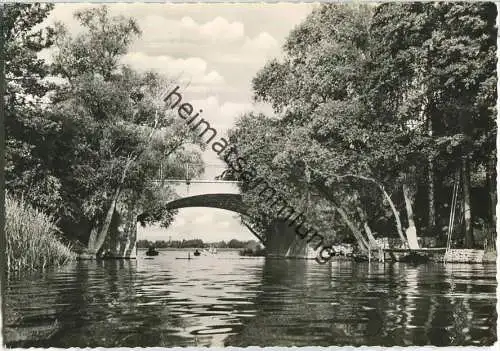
(200, 193)
(230, 202)
(227, 198)
(223, 201)
(279, 239)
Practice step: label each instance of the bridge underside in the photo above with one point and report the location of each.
(230, 202)
(280, 240)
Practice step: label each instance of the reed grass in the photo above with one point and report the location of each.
(33, 240)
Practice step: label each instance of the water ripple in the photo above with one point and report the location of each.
(243, 302)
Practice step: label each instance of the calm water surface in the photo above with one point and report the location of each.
(225, 300)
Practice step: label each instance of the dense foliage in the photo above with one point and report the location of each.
(85, 132)
(380, 111)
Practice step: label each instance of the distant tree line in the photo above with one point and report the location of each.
(195, 243)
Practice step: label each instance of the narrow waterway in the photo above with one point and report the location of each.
(225, 300)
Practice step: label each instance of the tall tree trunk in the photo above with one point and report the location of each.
(101, 236)
(431, 219)
(469, 236)
(489, 241)
(431, 205)
(96, 240)
(98, 237)
(399, 227)
(411, 231)
(386, 196)
(366, 227)
(4, 259)
(369, 234)
(131, 229)
(322, 188)
(92, 240)
(492, 190)
(363, 245)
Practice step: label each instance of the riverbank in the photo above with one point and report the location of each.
(430, 255)
(32, 238)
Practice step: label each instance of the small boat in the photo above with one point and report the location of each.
(212, 251)
(152, 252)
(197, 253)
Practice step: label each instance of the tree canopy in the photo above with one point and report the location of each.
(379, 110)
(93, 131)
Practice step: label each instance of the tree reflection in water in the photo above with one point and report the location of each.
(263, 302)
(100, 306)
(371, 304)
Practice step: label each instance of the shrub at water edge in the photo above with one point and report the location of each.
(32, 240)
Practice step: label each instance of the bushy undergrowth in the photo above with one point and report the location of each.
(32, 238)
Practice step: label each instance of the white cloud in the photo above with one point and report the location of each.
(166, 64)
(224, 224)
(192, 69)
(213, 78)
(217, 49)
(263, 41)
(220, 28)
(159, 29)
(252, 53)
(220, 115)
(203, 219)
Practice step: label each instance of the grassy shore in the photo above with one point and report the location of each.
(32, 238)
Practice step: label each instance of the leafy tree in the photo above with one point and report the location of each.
(116, 126)
(319, 96)
(86, 147)
(80, 147)
(436, 63)
(367, 95)
(27, 127)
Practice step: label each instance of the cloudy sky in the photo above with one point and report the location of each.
(217, 48)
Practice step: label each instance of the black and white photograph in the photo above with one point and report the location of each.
(268, 174)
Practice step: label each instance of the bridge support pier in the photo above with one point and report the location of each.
(283, 241)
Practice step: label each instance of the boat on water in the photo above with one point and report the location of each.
(152, 252)
(211, 251)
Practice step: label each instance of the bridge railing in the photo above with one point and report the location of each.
(195, 181)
